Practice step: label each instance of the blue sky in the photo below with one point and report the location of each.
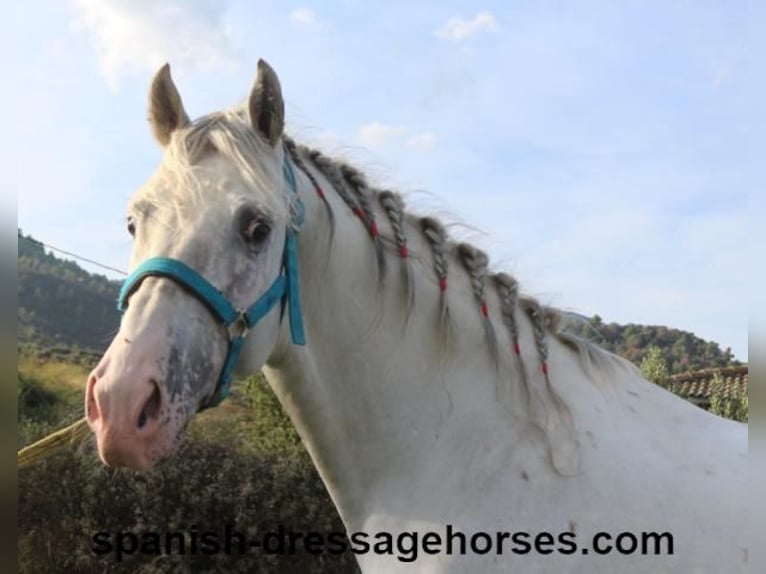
(602, 152)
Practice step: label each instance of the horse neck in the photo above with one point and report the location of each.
(381, 400)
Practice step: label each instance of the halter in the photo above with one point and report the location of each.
(284, 289)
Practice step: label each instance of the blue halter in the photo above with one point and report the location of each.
(284, 289)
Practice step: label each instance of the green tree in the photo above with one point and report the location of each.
(733, 405)
(654, 367)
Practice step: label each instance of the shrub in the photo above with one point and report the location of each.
(734, 406)
(225, 473)
(655, 368)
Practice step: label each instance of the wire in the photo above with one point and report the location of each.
(75, 255)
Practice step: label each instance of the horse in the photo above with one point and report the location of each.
(445, 411)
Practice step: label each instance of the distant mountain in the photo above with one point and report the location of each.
(683, 351)
(60, 304)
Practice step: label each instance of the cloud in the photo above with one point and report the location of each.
(303, 16)
(422, 142)
(327, 140)
(379, 135)
(457, 29)
(376, 134)
(138, 35)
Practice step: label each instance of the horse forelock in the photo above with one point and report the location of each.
(178, 182)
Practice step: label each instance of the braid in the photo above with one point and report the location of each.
(544, 320)
(294, 153)
(508, 290)
(358, 202)
(393, 204)
(332, 173)
(540, 325)
(358, 184)
(475, 263)
(437, 238)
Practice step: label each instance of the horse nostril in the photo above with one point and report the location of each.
(151, 409)
(91, 405)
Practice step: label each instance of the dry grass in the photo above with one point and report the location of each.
(64, 379)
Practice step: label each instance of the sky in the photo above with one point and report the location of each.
(602, 152)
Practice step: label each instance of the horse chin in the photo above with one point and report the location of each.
(144, 460)
(165, 447)
(143, 457)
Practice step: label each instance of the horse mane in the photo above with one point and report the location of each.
(352, 187)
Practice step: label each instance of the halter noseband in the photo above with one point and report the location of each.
(284, 289)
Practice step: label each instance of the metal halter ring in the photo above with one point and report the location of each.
(238, 327)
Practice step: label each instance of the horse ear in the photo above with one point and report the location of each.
(166, 110)
(267, 108)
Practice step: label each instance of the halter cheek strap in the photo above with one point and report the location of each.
(284, 289)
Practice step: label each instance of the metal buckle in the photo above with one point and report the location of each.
(238, 327)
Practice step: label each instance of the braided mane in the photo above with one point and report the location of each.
(351, 186)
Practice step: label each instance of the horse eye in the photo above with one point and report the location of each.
(131, 226)
(257, 231)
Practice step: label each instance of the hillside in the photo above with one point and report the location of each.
(682, 351)
(60, 304)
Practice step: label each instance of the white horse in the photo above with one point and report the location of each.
(438, 406)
